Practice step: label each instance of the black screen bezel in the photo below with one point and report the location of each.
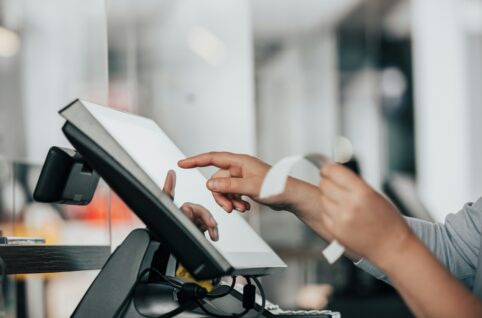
(199, 257)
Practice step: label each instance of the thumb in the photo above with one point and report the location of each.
(170, 184)
(241, 186)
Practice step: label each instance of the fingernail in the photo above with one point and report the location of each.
(212, 184)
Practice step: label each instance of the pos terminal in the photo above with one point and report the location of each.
(133, 155)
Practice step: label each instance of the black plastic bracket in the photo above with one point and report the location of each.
(139, 251)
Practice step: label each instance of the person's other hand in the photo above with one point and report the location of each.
(199, 215)
(238, 175)
(360, 218)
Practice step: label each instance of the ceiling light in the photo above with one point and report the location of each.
(206, 45)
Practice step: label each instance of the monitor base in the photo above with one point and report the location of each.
(112, 286)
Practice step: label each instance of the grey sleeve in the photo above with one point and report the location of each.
(456, 243)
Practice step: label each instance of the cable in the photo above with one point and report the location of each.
(243, 313)
(174, 283)
(263, 297)
(197, 298)
(233, 283)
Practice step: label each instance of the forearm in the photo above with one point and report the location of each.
(454, 244)
(427, 287)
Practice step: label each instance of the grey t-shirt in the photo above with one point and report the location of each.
(456, 244)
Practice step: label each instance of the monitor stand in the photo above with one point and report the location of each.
(112, 286)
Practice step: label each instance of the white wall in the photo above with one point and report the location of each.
(446, 141)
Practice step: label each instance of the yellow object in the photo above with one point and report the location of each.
(184, 274)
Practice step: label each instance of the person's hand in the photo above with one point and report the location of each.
(199, 215)
(360, 218)
(238, 175)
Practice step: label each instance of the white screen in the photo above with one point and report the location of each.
(156, 154)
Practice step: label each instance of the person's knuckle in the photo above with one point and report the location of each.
(337, 168)
(325, 202)
(226, 183)
(196, 206)
(352, 204)
(324, 169)
(244, 156)
(346, 216)
(323, 187)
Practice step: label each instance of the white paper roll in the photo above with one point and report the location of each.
(275, 181)
(333, 251)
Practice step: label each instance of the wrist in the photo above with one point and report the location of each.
(394, 252)
(285, 201)
(298, 195)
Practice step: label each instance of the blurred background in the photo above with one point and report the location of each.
(399, 80)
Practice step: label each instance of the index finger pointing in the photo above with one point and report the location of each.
(223, 160)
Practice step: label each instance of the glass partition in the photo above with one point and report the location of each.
(51, 52)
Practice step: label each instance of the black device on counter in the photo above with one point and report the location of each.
(65, 178)
(135, 281)
(125, 149)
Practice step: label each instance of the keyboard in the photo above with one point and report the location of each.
(273, 310)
